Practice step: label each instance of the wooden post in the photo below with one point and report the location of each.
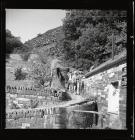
(113, 46)
(94, 119)
(101, 121)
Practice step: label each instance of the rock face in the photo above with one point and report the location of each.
(58, 82)
(58, 79)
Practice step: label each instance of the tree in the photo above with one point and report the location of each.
(19, 74)
(88, 36)
(38, 72)
(12, 43)
(25, 52)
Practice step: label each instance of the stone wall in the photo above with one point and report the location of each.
(28, 92)
(52, 117)
(96, 85)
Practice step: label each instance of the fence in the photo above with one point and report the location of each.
(31, 91)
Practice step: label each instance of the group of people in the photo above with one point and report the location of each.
(66, 79)
(75, 82)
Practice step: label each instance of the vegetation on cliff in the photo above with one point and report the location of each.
(88, 36)
(84, 40)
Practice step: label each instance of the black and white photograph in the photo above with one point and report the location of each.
(66, 69)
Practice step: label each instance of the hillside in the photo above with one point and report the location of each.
(51, 36)
(53, 44)
(47, 45)
(43, 49)
(84, 40)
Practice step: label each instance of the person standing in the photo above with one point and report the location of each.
(69, 81)
(74, 81)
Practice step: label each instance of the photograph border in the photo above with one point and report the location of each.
(85, 4)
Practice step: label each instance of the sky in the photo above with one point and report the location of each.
(27, 23)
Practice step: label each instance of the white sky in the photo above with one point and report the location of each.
(27, 23)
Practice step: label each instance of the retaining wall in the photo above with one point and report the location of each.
(96, 85)
(52, 118)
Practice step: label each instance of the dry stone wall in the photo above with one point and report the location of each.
(45, 96)
(28, 92)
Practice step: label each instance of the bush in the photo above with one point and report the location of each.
(38, 73)
(19, 74)
(25, 56)
(88, 36)
(12, 43)
(34, 103)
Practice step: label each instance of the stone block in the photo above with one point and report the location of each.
(122, 106)
(122, 115)
(60, 110)
(122, 110)
(115, 123)
(122, 101)
(59, 119)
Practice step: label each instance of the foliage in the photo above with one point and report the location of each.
(19, 74)
(34, 103)
(24, 51)
(38, 73)
(39, 34)
(14, 45)
(14, 106)
(88, 36)
(25, 56)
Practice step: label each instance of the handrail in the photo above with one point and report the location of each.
(93, 112)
